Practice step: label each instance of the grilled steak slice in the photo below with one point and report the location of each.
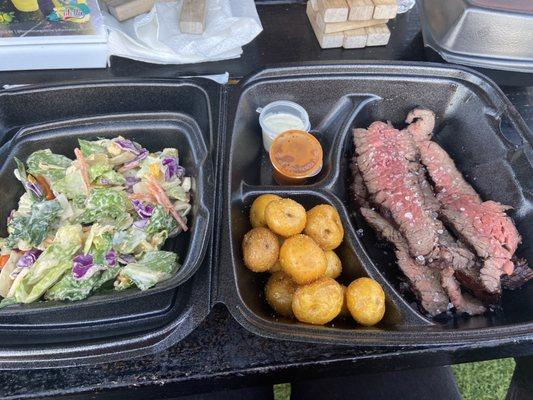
(452, 253)
(461, 301)
(454, 259)
(520, 276)
(483, 225)
(470, 278)
(424, 282)
(388, 165)
(358, 188)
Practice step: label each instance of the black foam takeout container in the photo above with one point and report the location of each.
(157, 115)
(216, 128)
(476, 124)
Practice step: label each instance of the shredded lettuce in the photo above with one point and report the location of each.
(88, 148)
(72, 289)
(160, 221)
(71, 184)
(30, 231)
(152, 268)
(45, 163)
(104, 203)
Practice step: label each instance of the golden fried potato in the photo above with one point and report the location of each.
(345, 313)
(260, 248)
(333, 264)
(275, 268)
(285, 217)
(302, 259)
(319, 302)
(324, 226)
(279, 291)
(365, 299)
(257, 212)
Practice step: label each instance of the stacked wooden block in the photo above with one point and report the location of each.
(351, 23)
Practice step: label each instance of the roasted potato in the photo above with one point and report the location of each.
(260, 248)
(318, 302)
(302, 259)
(345, 313)
(275, 268)
(257, 212)
(279, 291)
(365, 299)
(324, 226)
(333, 264)
(285, 217)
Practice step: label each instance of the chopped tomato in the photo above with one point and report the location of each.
(3, 260)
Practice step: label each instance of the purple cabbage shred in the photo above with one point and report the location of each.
(144, 210)
(111, 258)
(126, 259)
(35, 188)
(173, 169)
(141, 224)
(130, 182)
(29, 258)
(82, 266)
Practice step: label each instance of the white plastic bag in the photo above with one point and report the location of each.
(155, 36)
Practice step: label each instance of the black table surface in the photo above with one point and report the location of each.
(219, 353)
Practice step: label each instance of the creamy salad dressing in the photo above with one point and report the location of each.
(281, 122)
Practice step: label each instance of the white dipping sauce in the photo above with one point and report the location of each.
(281, 122)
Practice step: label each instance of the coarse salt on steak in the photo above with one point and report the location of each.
(387, 162)
(424, 281)
(483, 225)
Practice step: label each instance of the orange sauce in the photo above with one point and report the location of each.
(296, 156)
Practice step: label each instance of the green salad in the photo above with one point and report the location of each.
(94, 223)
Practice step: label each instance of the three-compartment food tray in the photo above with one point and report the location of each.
(217, 131)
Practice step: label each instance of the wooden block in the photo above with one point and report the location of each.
(192, 17)
(333, 10)
(332, 27)
(355, 38)
(360, 10)
(385, 9)
(126, 9)
(314, 5)
(325, 40)
(377, 35)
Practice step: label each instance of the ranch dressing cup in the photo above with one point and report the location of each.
(280, 116)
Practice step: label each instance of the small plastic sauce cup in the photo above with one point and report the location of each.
(279, 111)
(296, 156)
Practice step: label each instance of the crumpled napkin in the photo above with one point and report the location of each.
(155, 37)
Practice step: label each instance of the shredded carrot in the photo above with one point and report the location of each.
(142, 196)
(83, 168)
(46, 187)
(161, 197)
(3, 260)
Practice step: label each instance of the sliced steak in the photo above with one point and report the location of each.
(470, 278)
(520, 276)
(358, 188)
(388, 165)
(424, 282)
(452, 253)
(483, 225)
(461, 301)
